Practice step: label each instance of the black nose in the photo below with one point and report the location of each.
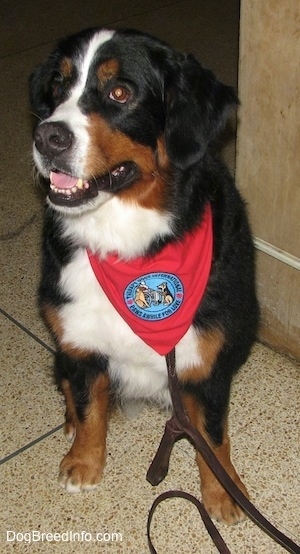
(51, 139)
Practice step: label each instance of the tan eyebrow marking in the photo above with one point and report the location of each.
(107, 70)
(66, 67)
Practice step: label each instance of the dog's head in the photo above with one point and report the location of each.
(118, 112)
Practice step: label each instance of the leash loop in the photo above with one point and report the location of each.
(210, 526)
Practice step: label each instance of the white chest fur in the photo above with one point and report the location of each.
(91, 322)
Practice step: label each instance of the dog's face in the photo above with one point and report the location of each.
(118, 111)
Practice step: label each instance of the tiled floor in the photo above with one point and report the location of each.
(264, 412)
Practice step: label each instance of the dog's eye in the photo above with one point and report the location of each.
(119, 94)
(57, 88)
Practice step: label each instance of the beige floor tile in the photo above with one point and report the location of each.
(30, 23)
(209, 30)
(121, 502)
(20, 278)
(21, 200)
(264, 426)
(30, 406)
(202, 27)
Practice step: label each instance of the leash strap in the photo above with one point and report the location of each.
(210, 526)
(177, 427)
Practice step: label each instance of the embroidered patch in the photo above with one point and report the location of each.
(154, 296)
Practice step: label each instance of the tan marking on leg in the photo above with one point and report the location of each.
(82, 467)
(210, 344)
(215, 499)
(70, 416)
(54, 321)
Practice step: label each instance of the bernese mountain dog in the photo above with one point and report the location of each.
(146, 244)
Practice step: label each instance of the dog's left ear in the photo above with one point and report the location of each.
(197, 108)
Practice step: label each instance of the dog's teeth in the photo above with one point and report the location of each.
(118, 170)
(80, 185)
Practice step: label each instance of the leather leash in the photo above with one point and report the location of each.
(177, 427)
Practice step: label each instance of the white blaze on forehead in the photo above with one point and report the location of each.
(86, 58)
(83, 64)
(69, 111)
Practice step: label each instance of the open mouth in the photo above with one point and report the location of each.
(66, 190)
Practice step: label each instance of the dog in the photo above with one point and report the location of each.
(140, 297)
(166, 294)
(126, 137)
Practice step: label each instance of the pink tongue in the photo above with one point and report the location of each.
(62, 181)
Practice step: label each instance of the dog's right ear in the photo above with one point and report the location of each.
(197, 108)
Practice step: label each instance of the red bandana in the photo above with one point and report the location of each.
(159, 296)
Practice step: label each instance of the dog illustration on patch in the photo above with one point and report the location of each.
(145, 296)
(140, 295)
(167, 297)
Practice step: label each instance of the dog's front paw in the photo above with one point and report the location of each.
(220, 505)
(81, 473)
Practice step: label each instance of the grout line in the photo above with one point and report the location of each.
(23, 328)
(30, 444)
(108, 24)
(158, 8)
(19, 230)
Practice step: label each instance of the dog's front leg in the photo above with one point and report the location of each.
(85, 384)
(216, 500)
